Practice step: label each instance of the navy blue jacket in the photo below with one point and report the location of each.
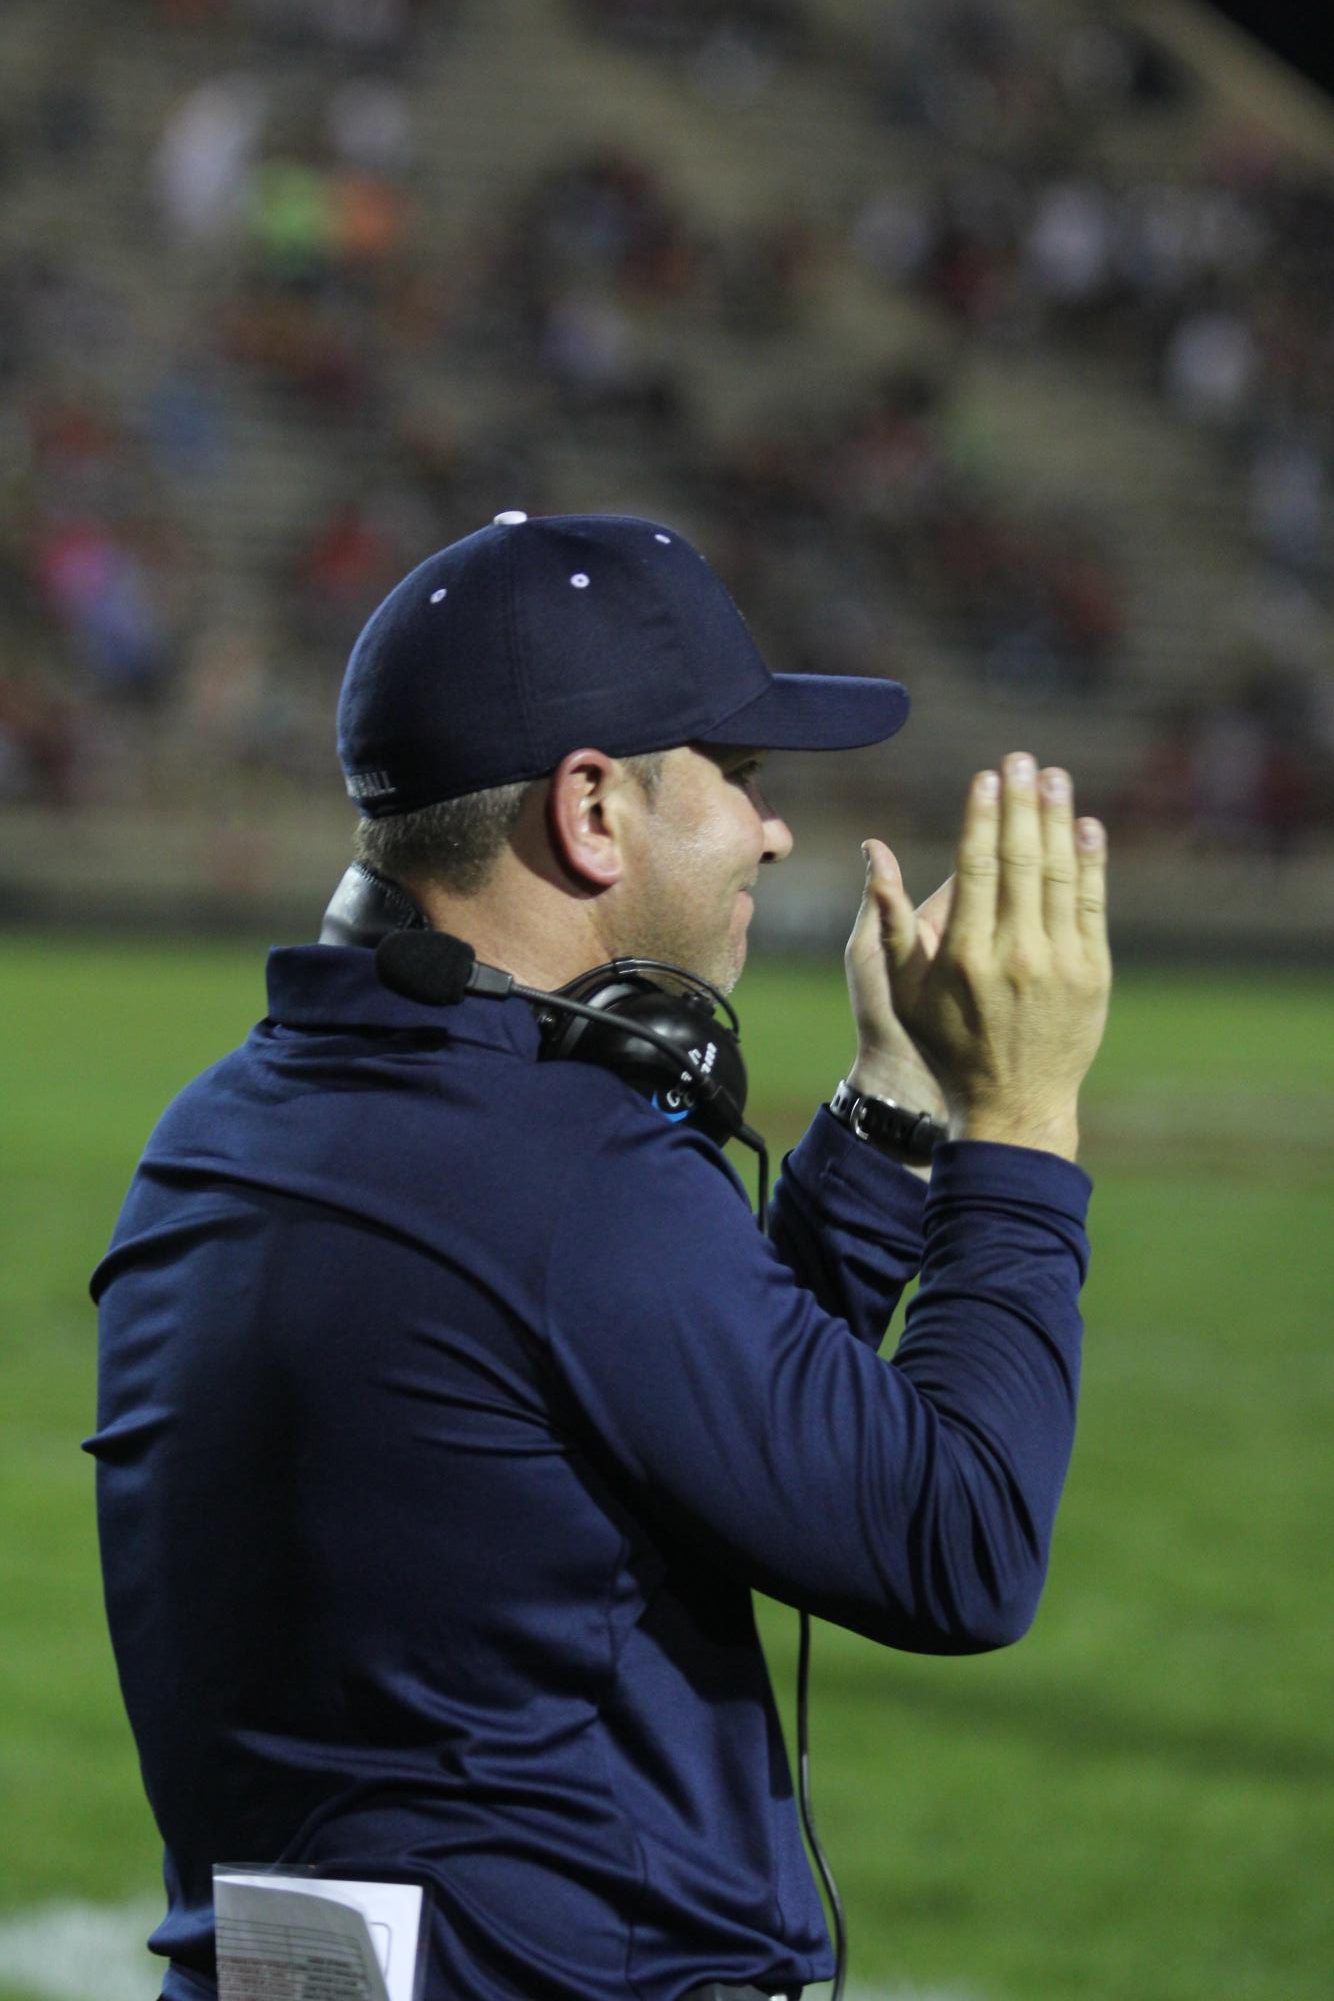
(450, 1407)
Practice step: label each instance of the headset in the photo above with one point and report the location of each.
(654, 1024)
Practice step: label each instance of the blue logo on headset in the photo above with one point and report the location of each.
(675, 1116)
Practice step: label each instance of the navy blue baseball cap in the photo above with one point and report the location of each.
(531, 638)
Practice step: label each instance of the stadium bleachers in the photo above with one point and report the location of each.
(686, 274)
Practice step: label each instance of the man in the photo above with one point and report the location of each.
(451, 1403)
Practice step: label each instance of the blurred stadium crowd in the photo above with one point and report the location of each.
(270, 334)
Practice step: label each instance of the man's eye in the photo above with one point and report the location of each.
(745, 773)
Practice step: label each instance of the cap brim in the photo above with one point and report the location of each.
(815, 712)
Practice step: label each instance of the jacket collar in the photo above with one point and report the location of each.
(335, 987)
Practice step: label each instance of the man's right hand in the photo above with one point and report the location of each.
(1010, 1007)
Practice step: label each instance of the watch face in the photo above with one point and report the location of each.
(906, 1136)
(878, 1121)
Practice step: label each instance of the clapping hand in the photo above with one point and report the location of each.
(999, 984)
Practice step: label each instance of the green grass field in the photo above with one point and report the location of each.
(1134, 1804)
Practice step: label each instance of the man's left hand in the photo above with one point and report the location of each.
(888, 1063)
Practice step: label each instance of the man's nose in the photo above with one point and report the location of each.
(777, 835)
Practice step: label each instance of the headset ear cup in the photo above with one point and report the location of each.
(574, 1035)
(709, 1050)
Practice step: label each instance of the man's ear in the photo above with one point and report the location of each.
(584, 817)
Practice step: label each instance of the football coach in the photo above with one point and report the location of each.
(451, 1404)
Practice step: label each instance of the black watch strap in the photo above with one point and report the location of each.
(908, 1136)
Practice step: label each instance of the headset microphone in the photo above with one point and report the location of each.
(435, 968)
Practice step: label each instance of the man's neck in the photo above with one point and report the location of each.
(528, 928)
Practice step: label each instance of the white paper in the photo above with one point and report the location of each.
(315, 1938)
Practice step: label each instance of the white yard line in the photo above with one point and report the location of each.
(95, 1952)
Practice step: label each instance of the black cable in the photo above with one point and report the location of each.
(752, 1139)
(804, 1806)
(807, 1813)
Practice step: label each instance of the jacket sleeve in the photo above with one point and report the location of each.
(849, 1224)
(911, 1500)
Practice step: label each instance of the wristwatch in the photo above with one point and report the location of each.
(911, 1137)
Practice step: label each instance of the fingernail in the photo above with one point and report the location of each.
(1056, 786)
(866, 856)
(1089, 834)
(988, 785)
(1023, 770)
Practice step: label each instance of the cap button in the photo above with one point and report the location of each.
(510, 518)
